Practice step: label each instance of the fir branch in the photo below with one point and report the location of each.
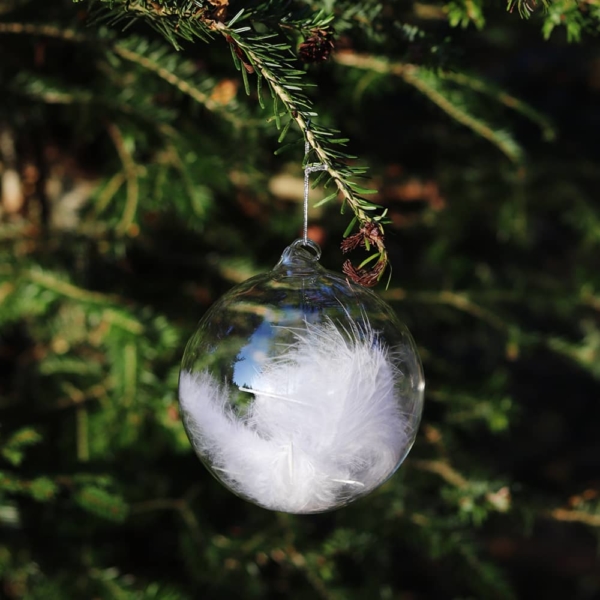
(123, 321)
(525, 7)
(567, 14)
(131, 170)
(464, 12)
(114, 98)
(269, 59)
(108, 193)
(82, 434)
(130, 368)
(584, 352)
(151, 59)
(458, 300)
(429, 84)
(64, 288)
(41, 489)
(576, 18)
(52, 31)
(110, 303)
(188, 19)
(485, 87)
(152, 62)
(13, 449)
(76, 397)
(101, 502)
(574, 516)
(443, 469)
(469, 492)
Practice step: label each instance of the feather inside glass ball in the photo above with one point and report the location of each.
(300, 391)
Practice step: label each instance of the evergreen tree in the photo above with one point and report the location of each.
(151, 157)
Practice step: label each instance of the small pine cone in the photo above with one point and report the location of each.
(317, 47)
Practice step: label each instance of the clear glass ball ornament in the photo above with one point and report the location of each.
(300, 391)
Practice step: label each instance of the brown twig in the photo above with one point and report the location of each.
(573, 516)
(443, 469)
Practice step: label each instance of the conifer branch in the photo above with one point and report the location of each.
(76, 397)
(130, 170)
(458, 300)
(52, 31)
(108, 193)
(82, 434)
(484, 87)
(443, 469)
(574, 516)
(151, 63)
(113, 98)
(525, 7)
(64, 288)
(335, 173)
(171, 77)
(286, 86)
(130, 367)
(428, 83)
(269, 59)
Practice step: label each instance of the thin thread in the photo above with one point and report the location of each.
(307, 171)
(306, 176)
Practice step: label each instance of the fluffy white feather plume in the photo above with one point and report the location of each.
(325, 424)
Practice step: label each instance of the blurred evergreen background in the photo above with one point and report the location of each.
(138, 183)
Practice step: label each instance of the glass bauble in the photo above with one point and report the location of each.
(301, 391)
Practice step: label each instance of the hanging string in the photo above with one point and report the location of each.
(308, 169)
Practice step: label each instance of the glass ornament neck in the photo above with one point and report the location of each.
(300, 258)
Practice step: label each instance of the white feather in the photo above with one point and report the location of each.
(325, 424)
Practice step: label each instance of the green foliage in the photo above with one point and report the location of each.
(13, 449)
(571, 16)
(465, 12)
(151, 156)
(575, 17)
(102, 503)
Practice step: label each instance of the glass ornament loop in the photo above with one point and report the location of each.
(308, 243)
(301, 391)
